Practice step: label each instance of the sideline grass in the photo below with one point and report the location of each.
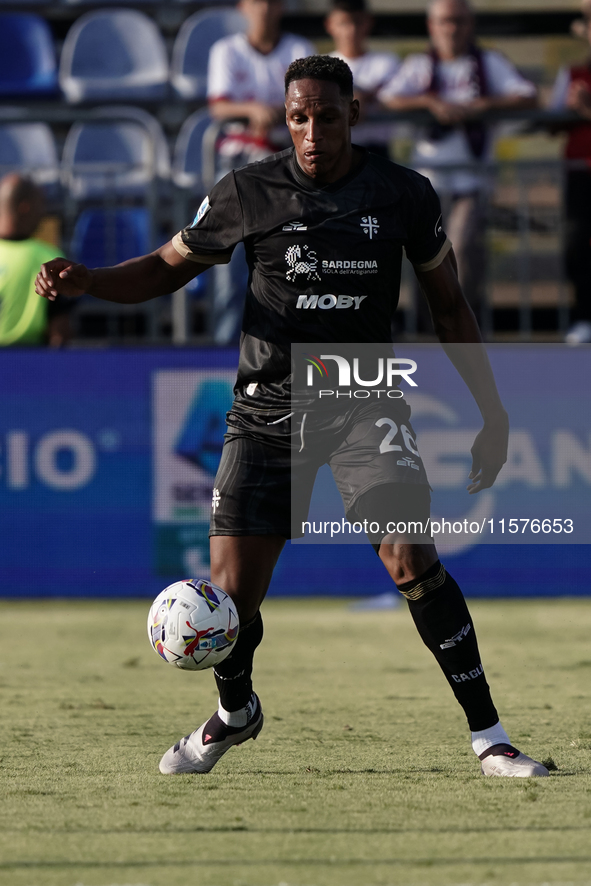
(362, 775)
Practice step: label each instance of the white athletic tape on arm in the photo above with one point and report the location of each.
(436, 261)
(183, 249)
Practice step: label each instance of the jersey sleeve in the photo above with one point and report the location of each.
(427, 244)
(504, 78)
(217, 227)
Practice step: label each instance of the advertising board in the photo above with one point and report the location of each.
(107, 462)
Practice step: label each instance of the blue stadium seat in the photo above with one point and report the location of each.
(28, 65)
(117, 157)
(114, 54)
(150, 123)
(188, 152)
(29, 148)
(190, 54)
(106, 237)
(198, 287)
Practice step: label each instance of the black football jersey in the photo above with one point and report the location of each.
(324, 261)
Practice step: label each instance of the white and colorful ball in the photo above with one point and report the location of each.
(193, 624)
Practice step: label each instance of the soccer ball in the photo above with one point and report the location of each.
(193, 624)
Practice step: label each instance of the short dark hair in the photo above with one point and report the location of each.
(321, 67)
(348, 6)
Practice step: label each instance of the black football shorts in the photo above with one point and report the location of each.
(271, 457)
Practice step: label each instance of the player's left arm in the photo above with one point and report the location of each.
(455, 325)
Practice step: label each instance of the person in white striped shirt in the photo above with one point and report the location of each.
(245, 80)
(457, 82)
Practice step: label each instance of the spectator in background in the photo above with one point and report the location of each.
(578, 27)
(23, 321)
(572, 91)
(350, 24)
(245, 80)
(457, 83)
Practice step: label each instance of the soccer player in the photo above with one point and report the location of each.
(314, 196)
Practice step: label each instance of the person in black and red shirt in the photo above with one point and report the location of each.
(572, 91)
(457, 81)
(305, 215)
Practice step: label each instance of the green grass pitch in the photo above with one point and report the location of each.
(362, 775)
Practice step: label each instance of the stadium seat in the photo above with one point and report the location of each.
(114, 54)
(188, 152)
(190, 54)
(113, 157)
(29, 148)
(28, 64)
(107, 237)
(151, 124)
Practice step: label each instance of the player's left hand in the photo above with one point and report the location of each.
(489, 453)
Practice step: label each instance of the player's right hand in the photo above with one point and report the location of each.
(60, 275)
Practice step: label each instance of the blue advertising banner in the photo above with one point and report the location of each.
(107, 461)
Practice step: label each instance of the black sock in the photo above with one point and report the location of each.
(233, 675)
(442, 619)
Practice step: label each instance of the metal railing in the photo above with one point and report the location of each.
(525, 232)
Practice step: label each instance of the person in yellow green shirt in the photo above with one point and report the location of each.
(24, 316)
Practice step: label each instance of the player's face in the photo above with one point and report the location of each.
(319, 119)
(451, 28)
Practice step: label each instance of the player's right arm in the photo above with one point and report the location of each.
(131, 282)
(455, 324)
(210, 239)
